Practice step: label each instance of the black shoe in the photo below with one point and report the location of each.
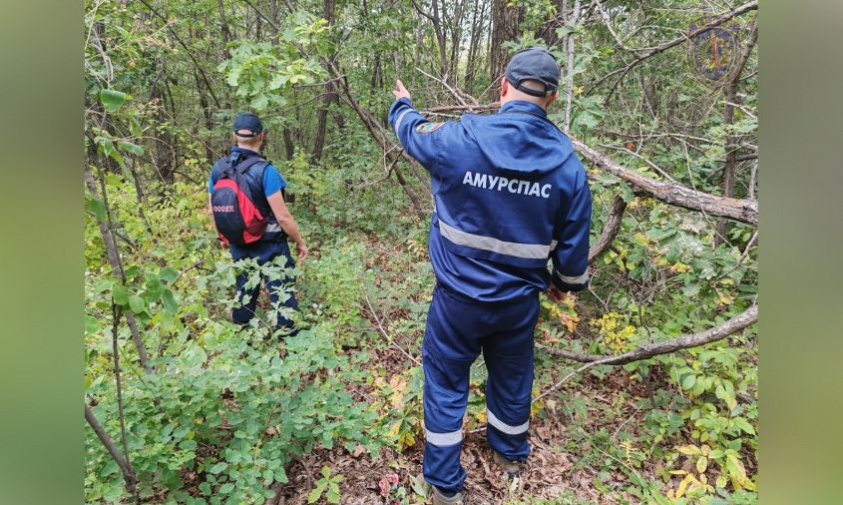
(512, 468)
(442, 497)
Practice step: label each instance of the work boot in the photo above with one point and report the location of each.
(439, 498)
(512, 468)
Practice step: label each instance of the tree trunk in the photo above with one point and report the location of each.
(471, 64)
(226, 32)
(732, 146)
(505, 27)
(328, 8)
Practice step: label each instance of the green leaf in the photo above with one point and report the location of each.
(91, 325)
(333, 495)
(314, 495)
(227, 488)
(130, 148)
(120, 295)
(743, 424)
(326, 471)
(689, 381)
(97, 207)
(170, 303)
(168, 274)
(137, 304)
(219, 467)
(154, 290)
(260, 102)
(112, 100)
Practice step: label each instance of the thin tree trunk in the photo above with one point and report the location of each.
(125, 466)
(289, 144)
(113, 256)
(506, 20)
(569, 66)
(226, 32)
(732, 142)
(328, 8)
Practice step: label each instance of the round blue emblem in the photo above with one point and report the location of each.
(714, 49)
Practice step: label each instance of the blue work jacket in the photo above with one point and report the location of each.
(509, 194)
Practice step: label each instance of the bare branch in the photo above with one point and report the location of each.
(734, 325)
(385, 334)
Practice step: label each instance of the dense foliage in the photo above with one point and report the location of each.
(211, 413)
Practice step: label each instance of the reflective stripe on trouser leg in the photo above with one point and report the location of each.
(445, 398)
(509, 360)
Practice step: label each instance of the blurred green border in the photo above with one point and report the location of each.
(41, 253)
(800, 180)
(41, 277)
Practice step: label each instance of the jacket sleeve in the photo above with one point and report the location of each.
(570, 257)
(423, 146)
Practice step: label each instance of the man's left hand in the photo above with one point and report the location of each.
(400, 91)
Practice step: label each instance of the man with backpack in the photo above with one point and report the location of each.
(510, 195)
(246, 201)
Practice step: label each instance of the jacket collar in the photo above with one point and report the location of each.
(243, 150)
(523, 106)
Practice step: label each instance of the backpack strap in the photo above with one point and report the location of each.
(244, 166)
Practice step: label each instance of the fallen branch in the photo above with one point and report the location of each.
(737, 323)
(731, 326)
(610, 229)
(457, 108)
(745, 211)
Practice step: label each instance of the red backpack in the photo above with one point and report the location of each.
(239, 205)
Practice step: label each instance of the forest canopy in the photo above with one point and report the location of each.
(646, 383)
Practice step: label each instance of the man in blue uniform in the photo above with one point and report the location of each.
(509, 194)
(268, 185)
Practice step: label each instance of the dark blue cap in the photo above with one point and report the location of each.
(533, 64)
(248, 121)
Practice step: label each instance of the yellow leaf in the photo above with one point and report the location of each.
(689, 450)
(702, 464)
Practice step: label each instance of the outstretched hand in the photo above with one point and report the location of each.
(400, 91)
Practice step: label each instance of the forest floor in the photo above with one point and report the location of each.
(572, 460)
(551, 472)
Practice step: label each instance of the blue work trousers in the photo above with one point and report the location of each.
(457, 330)
(265, 251)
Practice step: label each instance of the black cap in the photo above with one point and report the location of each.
(248, 121)
(533, 64)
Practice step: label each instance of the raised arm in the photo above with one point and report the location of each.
(418, 136)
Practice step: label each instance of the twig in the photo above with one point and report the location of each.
(645, 160)
(385, 334)
(742, 258)
(459, 95)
